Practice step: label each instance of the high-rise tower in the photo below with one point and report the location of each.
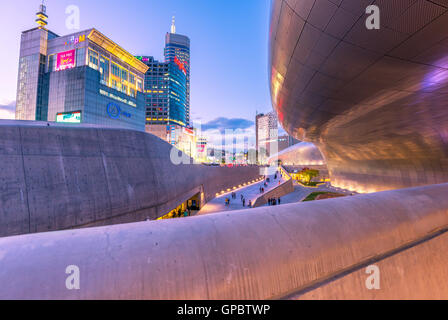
(177, 50)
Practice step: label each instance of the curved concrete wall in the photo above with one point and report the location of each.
(373, 101)
(270, 252)
(60, 177)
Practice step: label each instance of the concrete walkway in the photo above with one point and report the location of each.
(251, 192)
(301, 192)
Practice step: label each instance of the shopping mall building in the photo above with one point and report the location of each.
(83, 77)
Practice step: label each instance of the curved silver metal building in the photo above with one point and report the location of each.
(373, 101)
(302, 154)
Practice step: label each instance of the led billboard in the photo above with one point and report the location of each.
(65, 60)
(69, 117)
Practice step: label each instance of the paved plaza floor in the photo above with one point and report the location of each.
(250, 192)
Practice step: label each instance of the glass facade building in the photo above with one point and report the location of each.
(166, 93)
(84, 76)
(177, 48)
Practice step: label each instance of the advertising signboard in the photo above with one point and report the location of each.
(65, 60)
(69, 117)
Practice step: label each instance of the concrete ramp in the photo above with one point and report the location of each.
(309, 250)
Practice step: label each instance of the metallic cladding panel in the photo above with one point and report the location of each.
(373, 101)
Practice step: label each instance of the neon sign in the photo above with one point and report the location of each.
(65, 60)
(76, 40)
(180, 65)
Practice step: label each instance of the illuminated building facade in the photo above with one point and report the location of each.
(165, 93)
(177, 50)
(80, 78)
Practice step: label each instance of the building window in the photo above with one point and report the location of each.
(80, 57)
(124, 75)
(139, 85)
(115, 70)
(104, 69)
(51, 63)
(131, 78)
(114, 84)
(93, 59)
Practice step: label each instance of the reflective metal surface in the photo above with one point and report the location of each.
(302, 154)
(373, 101)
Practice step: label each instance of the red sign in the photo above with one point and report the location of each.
(65, 60)
(180, 65)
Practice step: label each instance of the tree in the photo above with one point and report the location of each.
(308, 174)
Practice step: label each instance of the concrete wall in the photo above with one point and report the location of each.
(270, 252)
(61, 177)
(283, 189)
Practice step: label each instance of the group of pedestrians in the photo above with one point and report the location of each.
(243, 200)
(227, 200)
(274, 201)
(179, 213)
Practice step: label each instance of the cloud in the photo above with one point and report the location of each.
(8, 110)
(222, 124)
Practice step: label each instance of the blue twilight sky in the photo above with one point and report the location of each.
(229, 46)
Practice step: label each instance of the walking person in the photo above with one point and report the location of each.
(250, 203)
(244, 202)
(279, 201)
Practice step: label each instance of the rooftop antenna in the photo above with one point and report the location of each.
(42, 16)
(173, 25)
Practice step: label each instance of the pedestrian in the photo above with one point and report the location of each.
(250, 203)
(279, 200)
(244, 202)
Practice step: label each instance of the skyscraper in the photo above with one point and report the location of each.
(266, 127)
(165, 89)
(177, 50)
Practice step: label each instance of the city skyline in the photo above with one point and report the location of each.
(245, 69)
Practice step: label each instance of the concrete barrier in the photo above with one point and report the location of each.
(281, 190)
(59, 177)
(266, 253)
